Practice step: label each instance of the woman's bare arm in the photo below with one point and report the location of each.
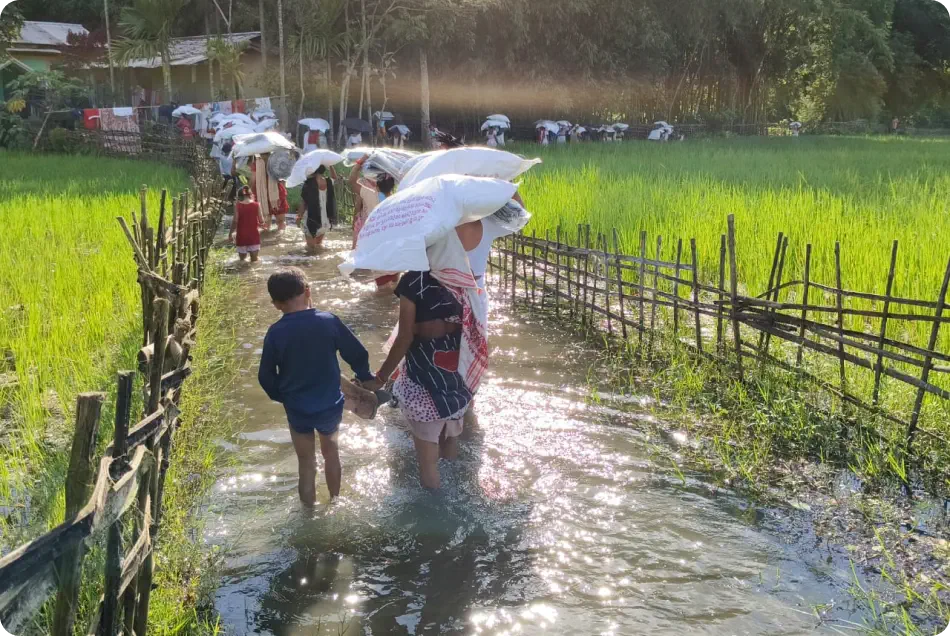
(233, 222)
(407, 323)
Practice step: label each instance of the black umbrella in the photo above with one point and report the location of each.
(358, 125)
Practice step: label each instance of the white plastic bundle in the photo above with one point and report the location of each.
(309, 163)
(397, 232)
(473, 162)
(259, 143)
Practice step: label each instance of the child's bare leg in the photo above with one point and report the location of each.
(280, 222)
(254, 256)
(427, 454)
(332, 468)
(448, 446)
(306, 466)
(242, 256)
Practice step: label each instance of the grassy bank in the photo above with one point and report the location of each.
(70, 313)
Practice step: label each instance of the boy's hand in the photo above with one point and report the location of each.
(230, 237)
(370, 385)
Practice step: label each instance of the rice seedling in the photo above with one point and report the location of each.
(70, 313)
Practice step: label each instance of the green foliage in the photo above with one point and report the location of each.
(58, 90)
(71, 309)
(14, 134)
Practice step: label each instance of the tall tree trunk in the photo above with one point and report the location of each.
(302, 93)
(344, 90)
(260, 8)
(329, 100)
(167, 75)
(280, 44)
(365, 58)
(105, 5)
(424, 96)
(210, 62)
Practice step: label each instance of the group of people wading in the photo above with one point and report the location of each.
(421, 373)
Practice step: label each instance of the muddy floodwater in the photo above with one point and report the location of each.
(555, 519)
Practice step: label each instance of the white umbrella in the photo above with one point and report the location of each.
(383, 115)
(315, 123)
(547, 124)
(622, 127)
(495, 123)
(580, 129)
(309, 163)
(662, 123)
(265, 125)
(259, 143)
(187, 109)
(564, 123)
(503, 118)
(403, 129)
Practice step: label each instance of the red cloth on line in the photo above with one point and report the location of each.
(247, 228)
(237, 106)
(90, 118)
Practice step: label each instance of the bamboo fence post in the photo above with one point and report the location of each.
(514, 268)
(676, 288)
(581, 287)
(805, 290)
(734, 293)
(557, 273)
(160, 256)
(524, 267)
(602, 242)
(643, 260)
(699, 330)
(161, 311)
(720, 346)
(840, 305)
(503, 283)
(569, 258)
(534, 269)
(623, 319)
(653, 295)
(79, 483)
(769, 289)
(883, 333)
(764, 349)
(585, 317)
(928, 358)
(544, 274)
(108, 619)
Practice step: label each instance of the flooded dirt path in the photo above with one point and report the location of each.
(554, 519)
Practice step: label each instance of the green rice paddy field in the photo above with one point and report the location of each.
(70, 312)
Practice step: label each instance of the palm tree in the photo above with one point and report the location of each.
(228, 56)
(147, 33)
(317, 38)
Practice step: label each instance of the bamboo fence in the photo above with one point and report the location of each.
(122, 500)
(798, 325)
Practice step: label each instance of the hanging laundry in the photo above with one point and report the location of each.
(125, 111)
(90, 118)
(238, 105)
(223, 107)
(262, 103)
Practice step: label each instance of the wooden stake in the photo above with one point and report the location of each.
(676, 289)
(585, 319)
(602, 242)
(544, 274)
(928, 359)
(653, 296)
(840, 304)
(557, 274)
(570, 296)
(720, 346)
(109, 618)
(883, 333)
(643, 261)
(80, 479)
(769, 290)
(734, 293)
(805, 288)
(623, 319)
(699, 330)
(774, 297)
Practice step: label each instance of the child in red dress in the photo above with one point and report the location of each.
(247, 221)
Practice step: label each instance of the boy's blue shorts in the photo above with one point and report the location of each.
(325, 422)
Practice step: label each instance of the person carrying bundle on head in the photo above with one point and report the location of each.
(317, 207)
(366, 196)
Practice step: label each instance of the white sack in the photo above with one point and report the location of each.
(309, 163)
(398, 230)
(472, 162)
(259, 143)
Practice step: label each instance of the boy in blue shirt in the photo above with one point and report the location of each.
(299, 369)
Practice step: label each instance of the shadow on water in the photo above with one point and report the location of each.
(551, 521)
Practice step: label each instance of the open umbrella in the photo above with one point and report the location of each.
(622, 127)
(315, 123)
(547, 124)
(259, 143)
(495, 123)
(564, 123)
(187, 109)
(503, 118)
(402, 128)
(309, 163)
(383, 115)
(357, 125)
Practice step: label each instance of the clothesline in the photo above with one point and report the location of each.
(195, 104)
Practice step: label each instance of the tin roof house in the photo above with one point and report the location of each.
(38, 47)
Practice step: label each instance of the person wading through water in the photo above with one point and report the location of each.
(317, 210)
(269, 192)
(366, 197)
